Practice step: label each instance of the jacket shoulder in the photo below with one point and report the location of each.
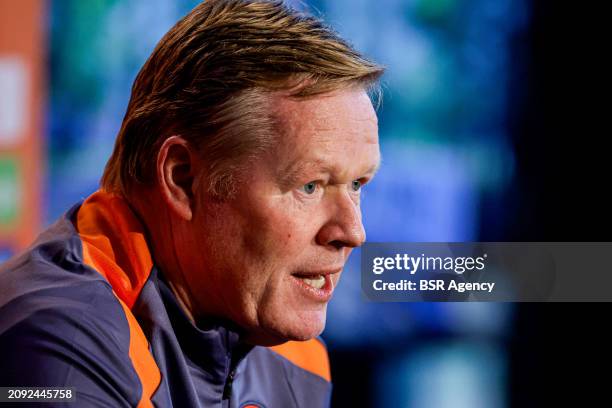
(292, 374)
(74, 336)
(310, 355)
(61, 325)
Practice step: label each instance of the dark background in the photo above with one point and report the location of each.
(558, 353)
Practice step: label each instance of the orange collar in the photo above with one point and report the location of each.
(114, 243)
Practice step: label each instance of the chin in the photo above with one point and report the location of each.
(304, 325)
(301, 326)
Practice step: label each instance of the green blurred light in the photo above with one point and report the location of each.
(10, 190)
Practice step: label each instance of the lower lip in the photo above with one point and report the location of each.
(322, 295)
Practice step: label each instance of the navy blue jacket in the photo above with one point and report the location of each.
(85, 307)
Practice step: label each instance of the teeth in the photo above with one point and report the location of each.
(316, 283)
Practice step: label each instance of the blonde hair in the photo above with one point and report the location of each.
(209, 80)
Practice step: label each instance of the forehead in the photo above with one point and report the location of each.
(337, 130)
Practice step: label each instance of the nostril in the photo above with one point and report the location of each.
(337, 244)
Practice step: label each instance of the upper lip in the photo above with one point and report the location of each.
(317, 272)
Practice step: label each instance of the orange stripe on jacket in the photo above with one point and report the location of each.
(144, 364)
(118, 247)
(310, 355)
(114, 245)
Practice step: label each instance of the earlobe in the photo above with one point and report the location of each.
(176, 175)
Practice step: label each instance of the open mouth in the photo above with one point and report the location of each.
(315, 281)
(316, 284)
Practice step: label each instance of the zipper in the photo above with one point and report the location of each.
(227, 389)
(234, 360)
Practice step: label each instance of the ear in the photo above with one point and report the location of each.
(177, 166)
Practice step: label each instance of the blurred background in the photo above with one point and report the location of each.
(488, 130)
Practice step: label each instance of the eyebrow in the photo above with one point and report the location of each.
(291, 175)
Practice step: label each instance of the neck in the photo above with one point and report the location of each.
(161, 239)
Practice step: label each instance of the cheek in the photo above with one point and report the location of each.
(278, 232)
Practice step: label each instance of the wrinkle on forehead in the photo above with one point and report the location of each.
(335, 134)
(326, 113)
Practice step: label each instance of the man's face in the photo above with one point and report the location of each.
(270, 258)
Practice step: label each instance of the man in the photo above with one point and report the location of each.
(200, 273)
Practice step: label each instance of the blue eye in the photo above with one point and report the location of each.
(309, 188)
(356, 185)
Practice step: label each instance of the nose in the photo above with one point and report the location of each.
(344, 227)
